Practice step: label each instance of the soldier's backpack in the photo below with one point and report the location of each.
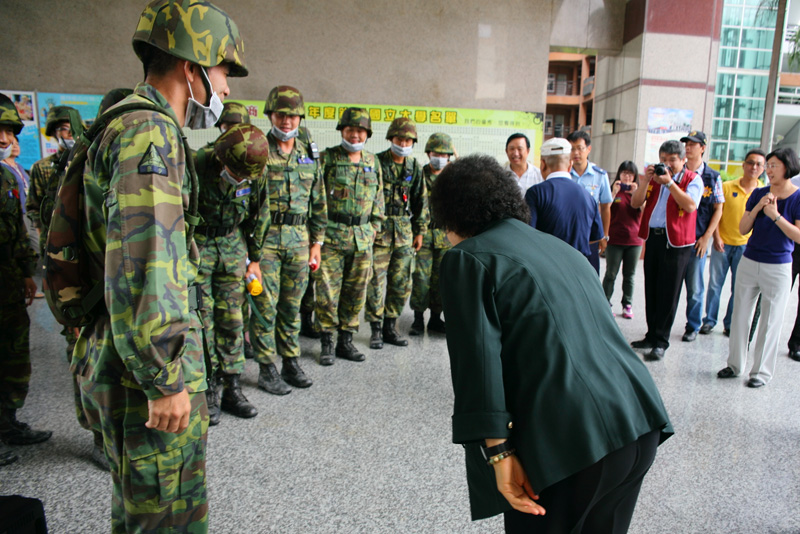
(72, 294)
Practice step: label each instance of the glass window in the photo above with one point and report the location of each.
(728, 57)
(725, 84)
(721, 129)
(750, 59)
(732, 16)
(718, 151)
(737, 151)
(723, 107)
(749, 109)
(757, 39)
(729, 37)
(760, 17)
(746, 131)
(751, 85)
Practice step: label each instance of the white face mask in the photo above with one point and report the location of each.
(438, 163)
(284, 136)
(402, 151)
(228, 177)
(66, 144)
(350, 147)
(198, 116)
(6, 152)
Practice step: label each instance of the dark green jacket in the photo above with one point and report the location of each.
(537, 357)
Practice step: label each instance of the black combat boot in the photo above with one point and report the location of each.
(345, 348)
(7, 456)
(13, 432)
(326, 355)
(293, 374)
(307, 326)
(212, 399)
(376, 339)
(418, 326)
(436, 324)
(270, 381)
(391, 335)
(233, 400)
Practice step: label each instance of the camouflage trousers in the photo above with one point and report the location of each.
(342, 288)
(308, 303)
(285, 275)
(15, 356)
(80, 412)
(425, 290)
(159, 478)
(391, 271)
(220, 280)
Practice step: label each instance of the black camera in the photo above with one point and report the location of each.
(624, 187)
(660, 169)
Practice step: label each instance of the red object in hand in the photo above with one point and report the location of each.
(313, 264)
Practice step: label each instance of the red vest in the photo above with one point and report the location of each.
(680, 225)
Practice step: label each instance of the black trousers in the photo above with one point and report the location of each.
(599, 499)
(664, 270)
(794, 339)
(594, 256)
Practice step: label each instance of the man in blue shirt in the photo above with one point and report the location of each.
(595, 181)
(561, 207)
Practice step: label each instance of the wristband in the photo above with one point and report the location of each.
(491, 452)
(320, 243)
(776, 219)
(499, 457)
(668, 185)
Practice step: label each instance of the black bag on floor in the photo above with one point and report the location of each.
(21, 515)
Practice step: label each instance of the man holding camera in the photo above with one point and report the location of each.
(670, 194)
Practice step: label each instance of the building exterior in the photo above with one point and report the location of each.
(570, 94)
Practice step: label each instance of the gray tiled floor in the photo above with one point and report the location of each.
(367, 448)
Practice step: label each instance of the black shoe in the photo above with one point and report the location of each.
(7, 456)
(418, 326)
(212, 400)
(270, 381)
(435, 324)
(655, 355)
(726, 332)
(391, 335)
(376, 339)
(99, 458)
(294, 375)
(755, 382)
(345, 348)
(725, 372)
(326, 354)
(644, 344)
(706, 329)
(795, 355)
(13, 432)
(249, 352)
(307, 326)
(689, 335)
(233, 400)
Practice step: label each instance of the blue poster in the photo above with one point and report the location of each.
(87, 106)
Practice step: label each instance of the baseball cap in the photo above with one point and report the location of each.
(556, 147)
(695, 135)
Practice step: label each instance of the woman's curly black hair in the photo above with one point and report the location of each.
(473, 192)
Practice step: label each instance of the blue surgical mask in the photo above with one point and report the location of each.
(438, 163)
(350, 147)
(402, 151)
(198, 116)
(284, 136)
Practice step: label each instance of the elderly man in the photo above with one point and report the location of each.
(518, 147)
(672, 193)
(561, 207)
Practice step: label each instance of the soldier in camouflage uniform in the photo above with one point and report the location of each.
(406, 221)
(232, 113)
(425, 291)
(354, 189)
(17, 263)
(233, 205)
(299, 219)
(140, 361)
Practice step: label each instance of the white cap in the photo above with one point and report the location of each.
(556, 147)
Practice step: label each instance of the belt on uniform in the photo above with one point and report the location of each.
(194, 298)
(394, 210)
(289, 219)
(658, 231)
(349, 220)
(215, 231)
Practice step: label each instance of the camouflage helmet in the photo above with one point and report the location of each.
(244, 150)
(112, 97)
(9, 116)
(55, 116)
(441, 143)
(402, 127)
(358, 117)
(285, 99)
(194, 30)
(234, 113)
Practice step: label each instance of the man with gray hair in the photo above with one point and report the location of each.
(561, 207)
(670, 194)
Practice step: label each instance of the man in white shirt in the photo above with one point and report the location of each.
(518, 147)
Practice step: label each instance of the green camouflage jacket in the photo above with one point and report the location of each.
(406, 201)
(137, 190)
(295, 188)
(43, 185)
(222, 205)
(435, 237)
(16, 253)
(353, 190)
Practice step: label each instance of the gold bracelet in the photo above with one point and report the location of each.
(499, 457)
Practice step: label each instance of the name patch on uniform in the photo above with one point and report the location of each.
(152, 162)
(242, 192)
(304, 160)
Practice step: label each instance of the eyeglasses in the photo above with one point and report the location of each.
(774, 165)
(63, 129)
(579, 149)
(754, 163)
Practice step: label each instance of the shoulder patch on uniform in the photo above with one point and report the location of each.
(597, 169)
(152, 162)
(242, 192)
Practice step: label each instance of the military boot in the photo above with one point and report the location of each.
(326, 355)
(270, 381)
(7, 456)
(307, 326)
(212, 399)
(293, 374)
(391, 335)
(376, 339)
(233, 400)
(13, 432)
(345, 348)
(436, 324)
(418, 326)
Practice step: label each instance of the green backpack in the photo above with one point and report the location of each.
(72, 294)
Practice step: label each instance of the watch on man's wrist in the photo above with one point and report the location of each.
(669, 184)
(489, 452)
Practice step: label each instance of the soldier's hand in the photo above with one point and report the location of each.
(169, 413)
(254, 268)
(314, 256)
(417, 242)
(30, 290)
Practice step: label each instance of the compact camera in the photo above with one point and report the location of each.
(624, 187)
(660, 169)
